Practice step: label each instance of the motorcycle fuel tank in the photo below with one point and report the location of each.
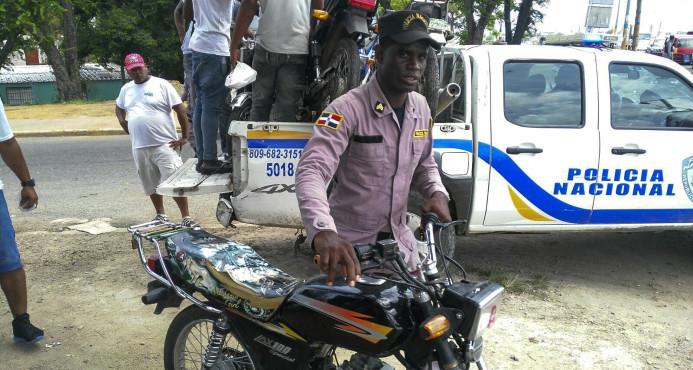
(374, 317)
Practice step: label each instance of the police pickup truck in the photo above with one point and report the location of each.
(542, 138)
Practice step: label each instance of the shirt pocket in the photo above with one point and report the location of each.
(366, 163)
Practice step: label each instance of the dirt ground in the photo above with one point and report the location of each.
(574, 301)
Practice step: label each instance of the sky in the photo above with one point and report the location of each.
(568, 16)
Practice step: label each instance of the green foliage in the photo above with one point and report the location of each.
(109, 30)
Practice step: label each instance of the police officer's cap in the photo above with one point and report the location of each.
(406, 27)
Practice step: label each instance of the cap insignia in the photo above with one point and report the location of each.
(413, 17)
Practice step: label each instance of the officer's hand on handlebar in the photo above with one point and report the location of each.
(334, 252)
(437, 204)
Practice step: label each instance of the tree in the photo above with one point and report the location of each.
(14, 25)
(528, 16)
(478, 14)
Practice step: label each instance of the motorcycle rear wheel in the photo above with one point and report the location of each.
(187, 339)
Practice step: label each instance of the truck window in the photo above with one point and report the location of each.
(649, 97)
(543, 94)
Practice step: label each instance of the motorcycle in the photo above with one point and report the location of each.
(248, 314)
(334, 63)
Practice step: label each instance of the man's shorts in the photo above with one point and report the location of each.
(9, 254)
(155, 164)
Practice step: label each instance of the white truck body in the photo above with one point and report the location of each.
(543, 138)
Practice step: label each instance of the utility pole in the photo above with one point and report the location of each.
(636, 27)
(624, 42)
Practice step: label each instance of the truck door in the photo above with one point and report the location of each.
(544, 137)
(646, 168)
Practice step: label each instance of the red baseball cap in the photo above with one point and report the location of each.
(133, 60)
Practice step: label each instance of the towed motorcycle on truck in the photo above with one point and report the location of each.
(334, 63)
(247, 314)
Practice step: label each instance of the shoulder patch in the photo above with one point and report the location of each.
(330, 120)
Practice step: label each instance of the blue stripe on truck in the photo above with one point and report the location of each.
(556, 208)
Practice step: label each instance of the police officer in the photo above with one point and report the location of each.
(376, 143)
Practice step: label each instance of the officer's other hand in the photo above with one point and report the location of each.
(334, 254)
(437, 204)
(235, 57)
(28, 198)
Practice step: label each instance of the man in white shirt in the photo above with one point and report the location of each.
(12, 275)
(280, 57)
(143, 108)
(210, 61)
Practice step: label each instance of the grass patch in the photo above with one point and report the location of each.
(62, 110)
(537, 285)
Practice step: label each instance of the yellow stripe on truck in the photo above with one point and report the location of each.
(524, 209)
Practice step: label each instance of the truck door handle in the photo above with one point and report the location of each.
(520, 150)
(622, 151)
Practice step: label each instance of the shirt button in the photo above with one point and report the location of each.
(321, 224)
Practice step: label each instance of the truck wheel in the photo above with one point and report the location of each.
(346, 62)
(429, 85)
(187, 339)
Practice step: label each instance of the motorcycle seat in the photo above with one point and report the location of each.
(231, 271)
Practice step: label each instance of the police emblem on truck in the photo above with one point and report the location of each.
(687, 177)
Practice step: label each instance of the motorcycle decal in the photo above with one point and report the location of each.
(282, 329)
(687, 177)
(276, 348)
(354, 322)
(329, 120)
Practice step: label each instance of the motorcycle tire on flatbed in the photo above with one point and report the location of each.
(346, 54)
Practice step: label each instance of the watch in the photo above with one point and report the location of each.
(29, 183)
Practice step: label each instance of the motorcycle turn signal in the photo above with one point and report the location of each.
(436, 326)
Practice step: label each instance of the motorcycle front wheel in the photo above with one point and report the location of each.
(346, 64)
(187, 339)
(430, 82)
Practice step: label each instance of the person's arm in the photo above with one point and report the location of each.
(14, 159)
(183, 122)
(188, 11)
(179, 20)
(121, 115)
(318, 163)
(427, 182)
(245, 16)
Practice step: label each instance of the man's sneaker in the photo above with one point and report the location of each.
(161, 218)
(24, 331)
(188, 222)
(213, 167)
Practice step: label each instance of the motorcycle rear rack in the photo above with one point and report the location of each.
(155, 231)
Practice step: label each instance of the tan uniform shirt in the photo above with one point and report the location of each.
(374, 160)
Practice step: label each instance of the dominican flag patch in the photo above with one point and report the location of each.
(329, 120)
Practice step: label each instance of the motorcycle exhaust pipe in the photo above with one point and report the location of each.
(447, 95)
(155, 295)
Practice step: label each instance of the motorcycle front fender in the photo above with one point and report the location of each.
(240, 99)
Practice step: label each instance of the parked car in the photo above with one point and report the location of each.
(644, 41)
(683, 49)
(656, 47)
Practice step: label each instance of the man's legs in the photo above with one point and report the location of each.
(182, 203)
(263, 87)
(290, 85)
(209, 75)
(158, 202)
(188, 71)
(13, 279)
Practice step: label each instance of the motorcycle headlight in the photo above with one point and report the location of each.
(479, 303)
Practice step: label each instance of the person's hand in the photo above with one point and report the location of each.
(29, 198)
(333, 253)
(178, 144)
(235, 57)
(437, 204)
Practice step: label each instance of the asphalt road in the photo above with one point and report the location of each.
(89, 178)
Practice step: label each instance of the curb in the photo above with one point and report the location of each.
(56, 133)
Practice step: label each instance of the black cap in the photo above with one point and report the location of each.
(405, 27)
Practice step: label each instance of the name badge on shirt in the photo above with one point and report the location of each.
(420, 133)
